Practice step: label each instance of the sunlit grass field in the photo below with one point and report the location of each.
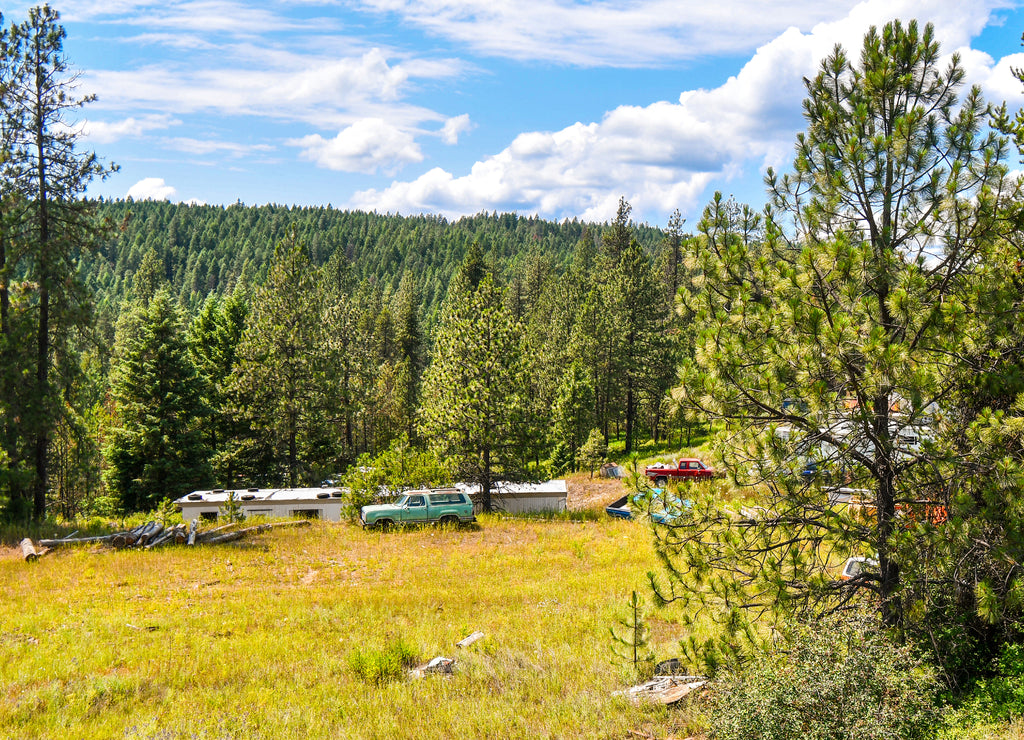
(262, 640)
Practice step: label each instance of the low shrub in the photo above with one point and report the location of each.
(837, 678)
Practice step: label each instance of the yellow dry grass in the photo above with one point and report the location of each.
(255, 641)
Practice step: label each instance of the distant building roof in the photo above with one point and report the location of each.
(505, 488)
(267, 495)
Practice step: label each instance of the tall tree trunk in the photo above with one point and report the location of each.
(43, 336)
(630, 412)
(485, 481)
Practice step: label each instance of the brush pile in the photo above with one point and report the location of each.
(154, 534)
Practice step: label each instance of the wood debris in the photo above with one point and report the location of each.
(440, 665)
(467, 641)
(154, 534)
(28, 550)
(663, 689)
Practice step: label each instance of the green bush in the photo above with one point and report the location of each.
(838, 678)
(384, 665)
(997, 698)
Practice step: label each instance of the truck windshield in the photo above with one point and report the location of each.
(402, 500)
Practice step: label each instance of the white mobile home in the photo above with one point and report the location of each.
(521, 498)
(311, 503)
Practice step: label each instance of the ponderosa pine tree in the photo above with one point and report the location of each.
(49, 223)
(828, 335)
(157, 451)
(473, 408)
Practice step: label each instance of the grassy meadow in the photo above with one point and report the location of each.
(272, 638)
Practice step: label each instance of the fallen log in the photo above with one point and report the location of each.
(207, 534)
(51, 544)
(130, 538)
(162, 539)
(275, 525)
(151, 534)
(240, 533)
(227, 537)
(28, 550)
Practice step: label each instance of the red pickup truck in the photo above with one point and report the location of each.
(680, 470)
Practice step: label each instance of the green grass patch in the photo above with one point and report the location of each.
(379, 666)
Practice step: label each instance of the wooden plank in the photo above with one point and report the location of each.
(675, 693)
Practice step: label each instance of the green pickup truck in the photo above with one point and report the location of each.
(447, 506)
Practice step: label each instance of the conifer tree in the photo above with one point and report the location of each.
(639, 318)
(44, 178)
(473, 398)
(829, 332)
(409, 347)
(213, 339)
(279, 378)
(157, 451)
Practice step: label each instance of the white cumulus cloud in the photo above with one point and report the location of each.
(366, 146)
(664, 155)
(151, 188)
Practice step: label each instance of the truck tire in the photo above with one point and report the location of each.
(385, 524)
(661, 481)
(448, 520)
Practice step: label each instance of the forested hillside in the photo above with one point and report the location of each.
(150, 348)
(203, 249)
(268, 345)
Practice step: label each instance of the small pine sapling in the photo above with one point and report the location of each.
(631, 648)
(232, 509)
(168, 513)
(593, 451)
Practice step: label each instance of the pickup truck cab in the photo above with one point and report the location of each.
(447, 506)
(680, 470)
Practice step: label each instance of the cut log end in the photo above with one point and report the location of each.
(28, 551)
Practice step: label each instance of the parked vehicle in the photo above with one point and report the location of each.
(680, 470)
(856, 565)
(661, 508)
(446, 506)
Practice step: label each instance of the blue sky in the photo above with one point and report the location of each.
(554, 108)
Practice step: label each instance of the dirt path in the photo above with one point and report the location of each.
(592, 493)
